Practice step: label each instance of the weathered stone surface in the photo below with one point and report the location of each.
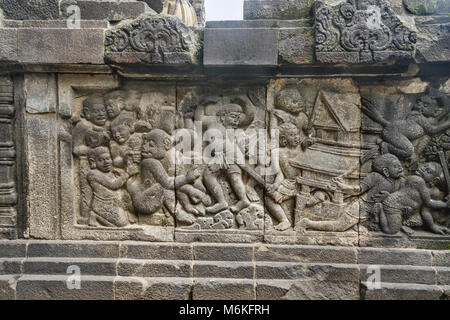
(441, 258)
(60, 266)
(394, 257)
(240, 47)
(223, 269)
(277, 9)
(8, 287)
(112, 10)
(40, 93)
(433, 39)
(156, 251)
(9, 249)
(54, 287)
(10, 266)
(8, 45)
(56, 46)
(84, 249)
(402, 291)
(443, 276)
(223, 289)
(305, 254)
(306, 290)
(154, 268)
(296, 46)
(30, 9)
(401, 274)
(427, 7)
(223, 252)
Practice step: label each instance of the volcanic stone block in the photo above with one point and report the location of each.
(154, 268)
(112, 10)
(51, 287)
(12, 249)
(60, 46)
(402, 274)
(157, 251)
(441, 258)
(40, 93)
(223, 289)
(402, 291)
(8, 45)
(241, 47)
(305, 254)
(427, 7)
(394, 257)
(85, 249)
(433, 39)
(88, 266)
(296, 46)
(277, 9)
(223, 269)
(30, 9)
(10, 266)
(443, 276)
(223, 252)
(7, 287)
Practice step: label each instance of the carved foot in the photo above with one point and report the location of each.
(184, 217)
(217, 208)
(409, 232)
(282, 226)
(240, 205)
(440, 230)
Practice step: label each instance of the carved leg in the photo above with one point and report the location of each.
(390, 221)
(399, 145)
(215, 189)
(239, 188)
(278, 213)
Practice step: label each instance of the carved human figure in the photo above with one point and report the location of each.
(416, 194)
(105, 182)
(158, 177)
(386, 175)
(290, 106)
(90, 132)
(114, 103)
(228, 117)
(125, 144)
(399, 135)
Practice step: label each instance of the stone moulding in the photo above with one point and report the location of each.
(155, 39)
(361, 31)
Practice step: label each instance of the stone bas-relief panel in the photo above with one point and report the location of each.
(312, 161)
(405, 180)
(319, 128)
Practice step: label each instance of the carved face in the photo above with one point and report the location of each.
(103, 162)
(96, 114)
(231, 120)
(428, 172)
(395, 169)
(153, 147)
(428, 109)
(290, 100)
(113, 107)
(290, 138)
(121, 134)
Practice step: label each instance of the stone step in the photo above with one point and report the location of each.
(405, 291)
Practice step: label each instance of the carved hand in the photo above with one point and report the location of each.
(192, 175)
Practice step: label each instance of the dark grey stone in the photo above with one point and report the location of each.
(296, 46)
(30, 9)
(51, 287)
(59, 266)
(443, 275)
(241, 47)
(8, 45)
(57, 46)
(12, 249)
(7, 287)
(426, 7)
(157, 251)
(82, 249)
(373, 256)
(223, 252)
(154, 268)
(277, 9)
(305, 254)
(10, 266)
(441, 258)
(402, 291)
(433, 39)
(167, 289)
(223, 269)
(223, 289)
(237, 24)
(112, 10)
(128, 288)
(402, 274)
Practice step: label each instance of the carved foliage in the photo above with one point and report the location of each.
(361, 31)
(152, 39)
